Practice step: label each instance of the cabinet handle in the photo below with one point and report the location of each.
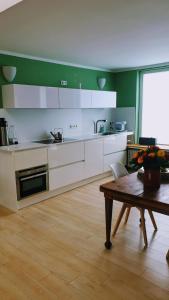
(33, 176)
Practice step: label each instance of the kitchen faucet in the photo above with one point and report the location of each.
(96, 125)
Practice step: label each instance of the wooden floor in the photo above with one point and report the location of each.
(55, 250)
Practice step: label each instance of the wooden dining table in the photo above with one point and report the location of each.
(130, 189)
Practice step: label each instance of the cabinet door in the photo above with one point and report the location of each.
(113, 158)
(52, 97)
(85, 98)
(102, 99)
(63, 176)
(60, 155)
(21, 96)
(69, 98)
(93, 158)
(30, 158)
(115, 143)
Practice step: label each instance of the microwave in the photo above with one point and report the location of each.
(120, 126)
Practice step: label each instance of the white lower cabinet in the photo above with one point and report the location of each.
(60, 155)
(93, 158)
(74, 162)
(66, 164)
(114, 150)
(114, 158)
(115, 143)
(63, 176)
(30, 158)
(71, 163)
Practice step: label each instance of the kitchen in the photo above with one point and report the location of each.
(34, 124)
(61, 160)
(75, 111)
(54, 248)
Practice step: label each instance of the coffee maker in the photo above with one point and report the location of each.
(3, 132)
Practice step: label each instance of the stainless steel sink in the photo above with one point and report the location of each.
(107, 133)
(53, 141)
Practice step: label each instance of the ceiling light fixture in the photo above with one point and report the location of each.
(5, 4)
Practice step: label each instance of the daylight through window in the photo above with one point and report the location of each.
(155, 106)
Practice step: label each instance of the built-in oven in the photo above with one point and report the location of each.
(32, 181)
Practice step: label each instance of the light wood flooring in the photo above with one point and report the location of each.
(55, 250)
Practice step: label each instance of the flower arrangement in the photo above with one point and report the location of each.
(150, 158)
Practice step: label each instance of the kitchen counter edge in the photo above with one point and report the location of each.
(34, 145)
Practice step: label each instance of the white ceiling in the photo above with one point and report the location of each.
(109, 34)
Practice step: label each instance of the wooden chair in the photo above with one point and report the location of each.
(119, 170)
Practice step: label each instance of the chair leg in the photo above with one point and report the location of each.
(143, 226)
(127, 214)
(122, 211)
(152, 219)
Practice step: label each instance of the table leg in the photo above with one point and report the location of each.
(108, 216)
(167, 256)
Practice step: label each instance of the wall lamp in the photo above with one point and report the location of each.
(9, 73)
(101, 82)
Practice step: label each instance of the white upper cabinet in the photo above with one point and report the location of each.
(69, 98)
(75, 98)
(102, 99)
(78, 98)
(51, 97)
(85, 98)
(32, 96)
(29, 96)
(21, 96)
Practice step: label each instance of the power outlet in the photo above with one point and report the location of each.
(63, 82)
(73, 126)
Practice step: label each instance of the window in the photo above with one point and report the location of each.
(155, 106)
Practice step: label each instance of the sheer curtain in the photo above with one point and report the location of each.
(155, 106)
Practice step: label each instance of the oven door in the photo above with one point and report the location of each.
(29, 185)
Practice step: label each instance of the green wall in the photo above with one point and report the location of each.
(36, 72)
(126, 85)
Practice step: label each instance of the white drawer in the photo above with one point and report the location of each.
(30, 158)
(60, 155)
(63, 176)
(115, 143)
(113, 158)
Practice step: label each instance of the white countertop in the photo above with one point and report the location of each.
(34, 145)
(22, 146)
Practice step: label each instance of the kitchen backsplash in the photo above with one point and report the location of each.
(35, 124)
